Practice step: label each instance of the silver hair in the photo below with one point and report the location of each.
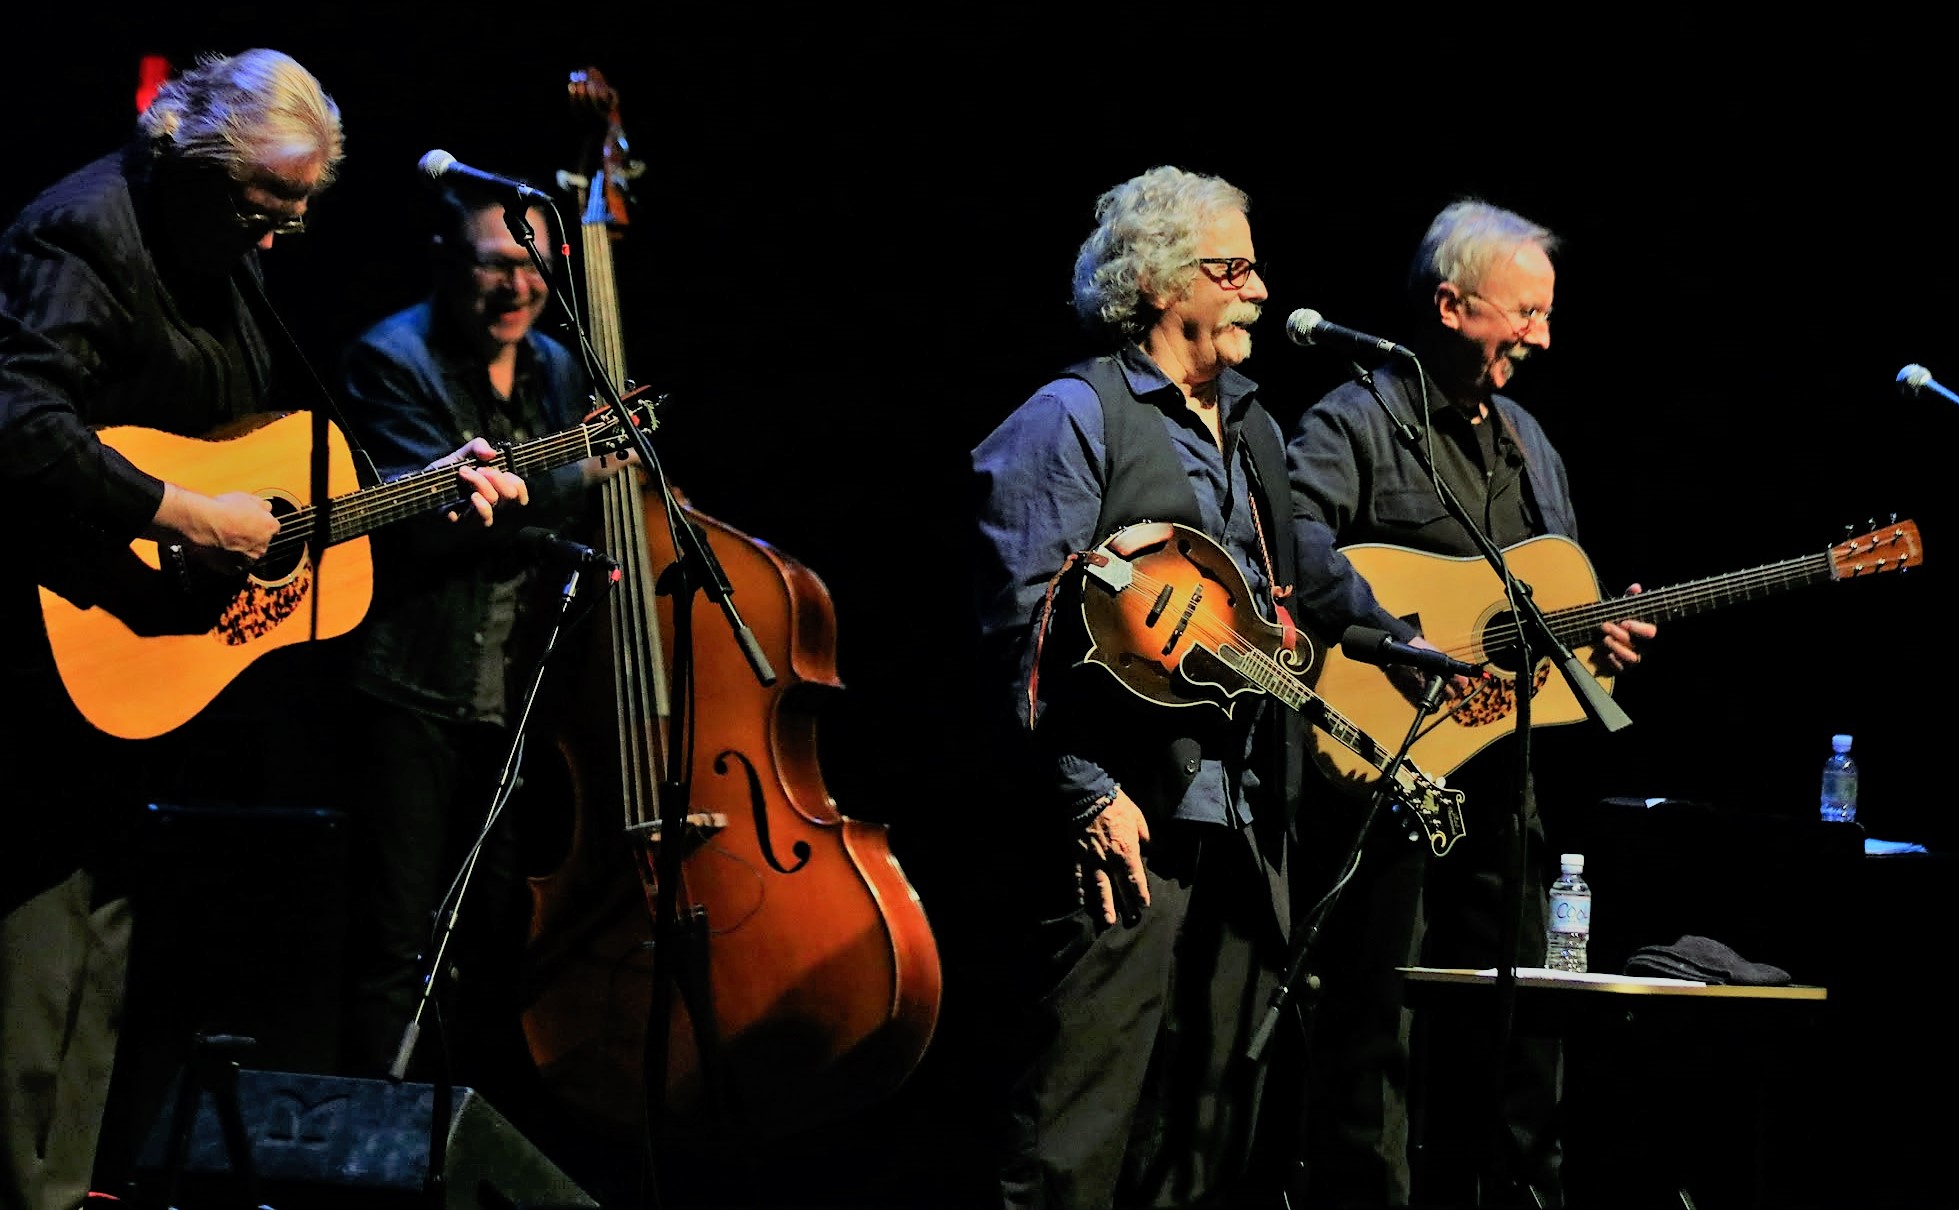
(244, 111)
(1467, 240)
(1145, 244)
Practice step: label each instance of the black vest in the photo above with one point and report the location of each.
(1144, 481)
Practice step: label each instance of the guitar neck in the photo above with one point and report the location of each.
(1579, 624)
(361, 512)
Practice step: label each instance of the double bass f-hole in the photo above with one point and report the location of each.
(759, 806)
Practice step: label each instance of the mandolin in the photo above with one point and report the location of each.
(1171, 617)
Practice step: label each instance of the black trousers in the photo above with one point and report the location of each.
(417, 791)
(1132, 1087)
(1483, 1117)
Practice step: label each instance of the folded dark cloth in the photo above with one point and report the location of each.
(1704, 960)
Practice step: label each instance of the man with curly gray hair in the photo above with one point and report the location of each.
(1152, 839)
(131, 294)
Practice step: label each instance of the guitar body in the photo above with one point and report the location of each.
(1457, 602)
(143, 656)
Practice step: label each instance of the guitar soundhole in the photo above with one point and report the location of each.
(277, 586)
(1503, 656)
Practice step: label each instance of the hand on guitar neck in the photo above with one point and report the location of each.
(1615, 651)
(487, 484)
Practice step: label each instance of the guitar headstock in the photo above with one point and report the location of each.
(1892, 547)
(608, 436)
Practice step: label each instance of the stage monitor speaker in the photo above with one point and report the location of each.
(333, 1142)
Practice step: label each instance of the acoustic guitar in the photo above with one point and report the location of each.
(1171, 617)
(143, 639)
(1459, 605)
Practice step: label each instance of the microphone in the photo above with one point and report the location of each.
(547, 547)
(439, 164)
(1914, 380)
(1308, 327)
(1371, 646)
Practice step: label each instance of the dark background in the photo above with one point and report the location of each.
(851, 252)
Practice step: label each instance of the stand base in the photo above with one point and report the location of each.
(333, 1143)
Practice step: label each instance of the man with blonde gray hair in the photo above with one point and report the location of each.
(1480, 289)
(1149, 843)
(130, 294)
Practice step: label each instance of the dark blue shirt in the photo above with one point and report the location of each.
(1041, 476)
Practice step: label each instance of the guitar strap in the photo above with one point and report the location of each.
(253, 291)
(1531, 477)
(329, 409)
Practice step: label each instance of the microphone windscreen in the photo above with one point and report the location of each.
(1912, 380)
(435, 163)
(1300, 325)
(1363, 643)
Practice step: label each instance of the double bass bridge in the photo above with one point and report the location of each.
(697, 827)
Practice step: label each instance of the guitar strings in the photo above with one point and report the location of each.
(398, 499)
(1580, 622)
(1203, 625)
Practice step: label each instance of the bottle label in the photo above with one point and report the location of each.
(1570, 913)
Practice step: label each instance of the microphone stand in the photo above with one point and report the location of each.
(695, 569)
(444, 1089)
(1597, 703)
(1303, 948)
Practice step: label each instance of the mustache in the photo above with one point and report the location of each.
(1242, 315)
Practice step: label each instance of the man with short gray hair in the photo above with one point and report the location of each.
(1480, 289)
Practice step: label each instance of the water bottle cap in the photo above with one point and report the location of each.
(1840, 743)
(1575, 862)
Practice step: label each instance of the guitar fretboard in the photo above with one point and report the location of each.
(368, 509)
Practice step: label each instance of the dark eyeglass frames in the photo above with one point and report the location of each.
(1232, 272)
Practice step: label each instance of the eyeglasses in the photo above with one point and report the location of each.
(246, 196)
(258, 224)
(498, 269)
(1527, 318)
(1233, 271)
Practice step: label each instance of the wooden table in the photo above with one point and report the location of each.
(1587, 1005)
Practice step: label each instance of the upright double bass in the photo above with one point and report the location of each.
(806, 977)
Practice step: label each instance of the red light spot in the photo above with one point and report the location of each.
(151, 73)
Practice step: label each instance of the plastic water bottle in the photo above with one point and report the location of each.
(1569, 927)
(1840, 783)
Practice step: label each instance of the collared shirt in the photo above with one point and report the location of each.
(1353, 481)
(1041, 475)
